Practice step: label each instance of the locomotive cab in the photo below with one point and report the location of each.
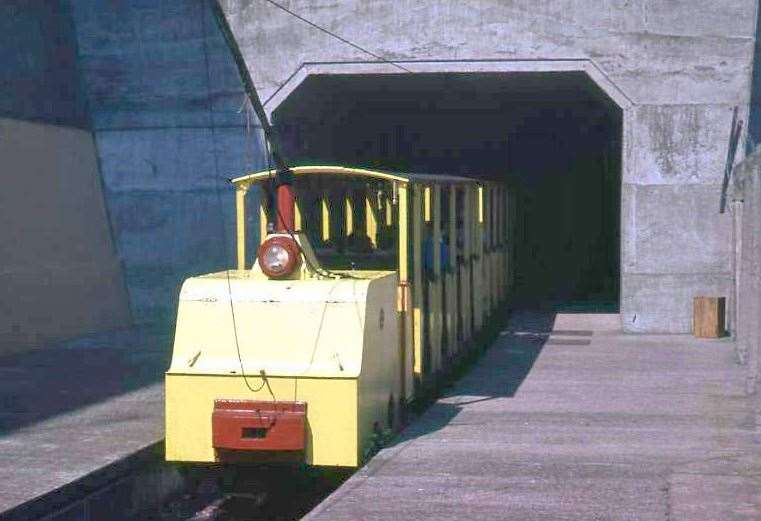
(310, 349)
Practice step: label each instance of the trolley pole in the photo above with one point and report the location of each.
(285, 196)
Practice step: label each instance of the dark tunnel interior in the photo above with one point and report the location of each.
(554, 137)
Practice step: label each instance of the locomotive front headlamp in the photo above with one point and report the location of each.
(278, 257)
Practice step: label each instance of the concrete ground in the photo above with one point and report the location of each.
(583, 423)
(72, 409)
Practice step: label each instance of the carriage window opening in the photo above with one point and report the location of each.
(351, 223)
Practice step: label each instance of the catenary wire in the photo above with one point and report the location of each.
(232, 309)
(337, 37)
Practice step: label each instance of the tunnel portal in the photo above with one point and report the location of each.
(555, 137)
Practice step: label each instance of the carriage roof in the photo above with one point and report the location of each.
(385, 175)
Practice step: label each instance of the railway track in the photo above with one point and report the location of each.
(276, 493)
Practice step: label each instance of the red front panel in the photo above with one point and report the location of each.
(258, 425)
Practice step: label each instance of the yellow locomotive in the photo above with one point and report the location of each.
(368, 288)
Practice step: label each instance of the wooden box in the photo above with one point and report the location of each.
(708, 317)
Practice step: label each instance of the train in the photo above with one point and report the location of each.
(348, 303)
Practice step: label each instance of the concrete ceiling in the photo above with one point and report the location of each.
(451, 92)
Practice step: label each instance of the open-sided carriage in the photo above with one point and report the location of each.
(353, 305)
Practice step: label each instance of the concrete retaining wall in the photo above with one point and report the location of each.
(39, 79)
(165, 101)
(59, 272)
(747, 208)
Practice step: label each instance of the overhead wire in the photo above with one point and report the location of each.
(337, 37)
(230, 296)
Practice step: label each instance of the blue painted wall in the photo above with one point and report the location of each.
(38, 56)
(165, 101)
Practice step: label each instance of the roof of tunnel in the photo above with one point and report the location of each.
(453, 90)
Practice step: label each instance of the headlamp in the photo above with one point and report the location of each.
(278, 257)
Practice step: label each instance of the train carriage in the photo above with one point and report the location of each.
(312, 346)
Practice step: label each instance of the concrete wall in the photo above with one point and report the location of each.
(165, 99)
(39, 80)
(679, 66)
(59, 273)
(747, 212)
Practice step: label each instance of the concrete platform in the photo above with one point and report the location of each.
(74, 410)
(585, 423)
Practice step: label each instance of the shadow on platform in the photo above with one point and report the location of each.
(66, 376)
(528, 331)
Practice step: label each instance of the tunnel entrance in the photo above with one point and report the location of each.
(554, 136)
